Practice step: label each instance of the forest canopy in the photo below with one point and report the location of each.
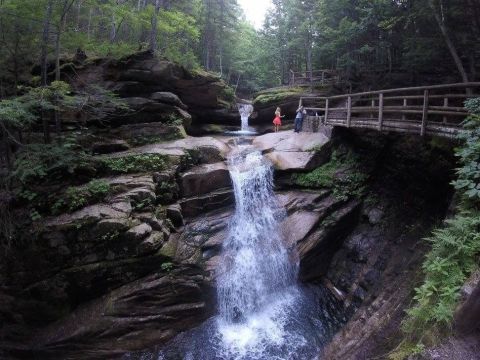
(396, 41)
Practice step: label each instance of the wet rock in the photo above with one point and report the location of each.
(467, 315)
(209, 149)
(124, 183)
(360, 294)
(154, 222)
(204, 179)
(138, 232)
(168, 98)
(299, 224)
(289, 141)
(146, 312)
(123, 206)
(144, 133)
(359, 247)
(200, 204)
(174, 213)
(375, 215)
(109, 226)
(300, 200)
(151, 244)
(88, 214)
(317, 250)
(370, 278)
(294, 152)
(164, 176)
(110, 146)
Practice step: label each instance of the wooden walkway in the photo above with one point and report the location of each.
(425, 110)
(313, 78)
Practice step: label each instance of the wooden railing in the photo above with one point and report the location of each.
(433, 110)
(315, 77)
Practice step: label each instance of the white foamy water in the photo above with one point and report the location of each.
(263, 314)
(245, 111)
(256, 276)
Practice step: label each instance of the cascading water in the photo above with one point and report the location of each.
(263, 313)
(245, 111)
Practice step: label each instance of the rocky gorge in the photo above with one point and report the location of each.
(135, 267)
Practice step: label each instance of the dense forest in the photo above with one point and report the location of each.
(393, 41)
(117, 122)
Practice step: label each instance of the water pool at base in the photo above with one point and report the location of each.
(263, 312)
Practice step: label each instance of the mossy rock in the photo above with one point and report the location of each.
(277, 95)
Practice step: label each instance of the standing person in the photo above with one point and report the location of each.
(299, 118)
(277, 122)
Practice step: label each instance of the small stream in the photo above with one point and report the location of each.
(263, 312)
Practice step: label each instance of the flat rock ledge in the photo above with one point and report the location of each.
(290, 151)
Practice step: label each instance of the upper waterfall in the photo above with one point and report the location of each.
(245, 111)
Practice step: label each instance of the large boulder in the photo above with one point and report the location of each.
(204, 179)
(207, 149)
(168, 98)
(198, 205)
(292, 151)
(144, 313)
(199, 90)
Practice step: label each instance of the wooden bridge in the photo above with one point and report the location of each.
(313, 78)
(424, 110)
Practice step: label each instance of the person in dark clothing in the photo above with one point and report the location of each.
(299, 119)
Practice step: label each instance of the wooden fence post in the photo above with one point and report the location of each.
(323, 77)
(349, 111)
(404, 105)
(326, 111)
(424, 113)
(380, 111)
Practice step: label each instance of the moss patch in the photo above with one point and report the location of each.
(341, 174)
(135, 163)
(75, 198)
(277, 95)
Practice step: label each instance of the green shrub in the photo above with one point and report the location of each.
(44, 162)
(135, 163)
(75, 198)
(453, 257)
(455, 251)
(341, 174)
(468, 180)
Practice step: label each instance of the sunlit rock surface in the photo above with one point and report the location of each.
(292, 151)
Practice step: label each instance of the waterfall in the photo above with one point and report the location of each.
(245, 111)
(263, 312)
(256, 282)
(256, 264)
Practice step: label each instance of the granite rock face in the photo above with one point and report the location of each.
(204, 179)
(160, 90)
(138, 267)
(289, 151)
(142, 313)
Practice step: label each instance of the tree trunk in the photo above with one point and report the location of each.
(46, 129)
(57, 55)
(113, 31)
(446, 36)
(153, 31)
(46, 31)
(6, 146)
(89, 23)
